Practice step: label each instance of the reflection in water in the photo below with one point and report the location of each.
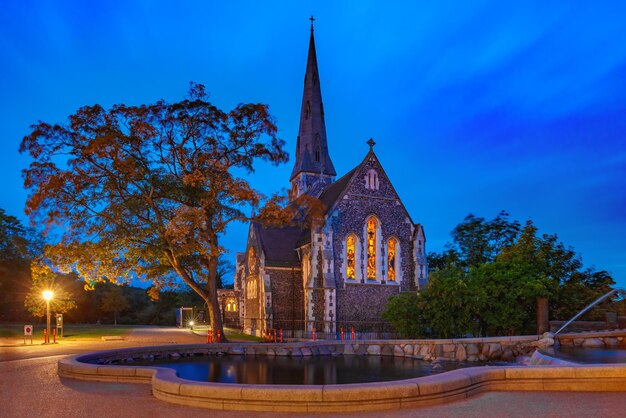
(323, 370)
(588, 355)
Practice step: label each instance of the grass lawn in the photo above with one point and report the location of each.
(232, 334)
(236, 335)
(70, 331)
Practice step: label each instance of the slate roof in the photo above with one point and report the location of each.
(279, 245)
(331, 193)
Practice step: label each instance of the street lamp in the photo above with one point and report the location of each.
(47, 295)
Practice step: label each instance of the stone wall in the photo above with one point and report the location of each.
(362, 302)
(470, 350)
(604, 339)
(287, 295)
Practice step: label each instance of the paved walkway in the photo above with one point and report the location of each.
(30, 386)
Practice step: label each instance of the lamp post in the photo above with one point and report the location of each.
(47, 295)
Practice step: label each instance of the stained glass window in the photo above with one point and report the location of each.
(391, 259)
(350, 270)
(371, 248)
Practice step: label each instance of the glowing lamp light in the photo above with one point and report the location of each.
(47, 294)
(191, 323)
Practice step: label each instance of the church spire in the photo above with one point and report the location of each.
(312, 149)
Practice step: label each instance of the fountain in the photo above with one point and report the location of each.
(591, 305)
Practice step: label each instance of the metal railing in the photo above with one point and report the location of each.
(272, 329)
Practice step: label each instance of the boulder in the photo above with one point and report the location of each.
(508, 355)
(472, 349)
(495, 351)
(408, 350)
(593, 343)
(373, 350)
(461, 353)
(399, 351)
(282, 352)
(324, 351)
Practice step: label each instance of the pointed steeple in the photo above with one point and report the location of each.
(312, 155)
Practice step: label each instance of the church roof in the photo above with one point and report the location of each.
(312, 148)
(332, 192)
(279, 245)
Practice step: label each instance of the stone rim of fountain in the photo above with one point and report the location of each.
(429, 390)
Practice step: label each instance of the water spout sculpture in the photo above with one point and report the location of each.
(591, 305)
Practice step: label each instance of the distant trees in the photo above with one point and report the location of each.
(18, 246)
(114, 302)
(488, 279)
(147, 191)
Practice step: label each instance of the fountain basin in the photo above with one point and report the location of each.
(436, 389)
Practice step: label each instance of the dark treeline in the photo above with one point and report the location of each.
(22, 280)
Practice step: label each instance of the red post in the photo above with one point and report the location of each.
(314, 336)
(353, 334)
(45, 339)
(275, 339)
(281, 335)
(54, 332)
(341, 333)
(209, 336)
(219, 336)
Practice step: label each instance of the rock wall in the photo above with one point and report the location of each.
(605, 339)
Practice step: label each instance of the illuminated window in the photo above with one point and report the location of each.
(350, 266)
(391, 259)
(371, 249)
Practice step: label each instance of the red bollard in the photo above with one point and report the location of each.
(314, 336)
(54, 332)
(209, 336)
(281, 335)
(341, 333)
(219, 336)
(353, 334)
(274, 335)
(45, 335)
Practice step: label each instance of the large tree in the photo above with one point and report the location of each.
(147, 191)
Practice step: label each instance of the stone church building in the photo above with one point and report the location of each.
(344, 271)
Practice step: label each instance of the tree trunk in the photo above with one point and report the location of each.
(543, 322)
(214, 311)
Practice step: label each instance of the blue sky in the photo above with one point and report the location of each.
(476, 106)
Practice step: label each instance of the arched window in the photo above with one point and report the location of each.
(371, 249)
(391, 259)
(350, 257)
(371, 180)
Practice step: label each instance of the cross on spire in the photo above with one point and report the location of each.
(312, 19)
(371, 143)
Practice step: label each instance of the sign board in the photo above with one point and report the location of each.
(28, 332)
(59, 319)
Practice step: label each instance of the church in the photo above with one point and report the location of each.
(339, 273)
